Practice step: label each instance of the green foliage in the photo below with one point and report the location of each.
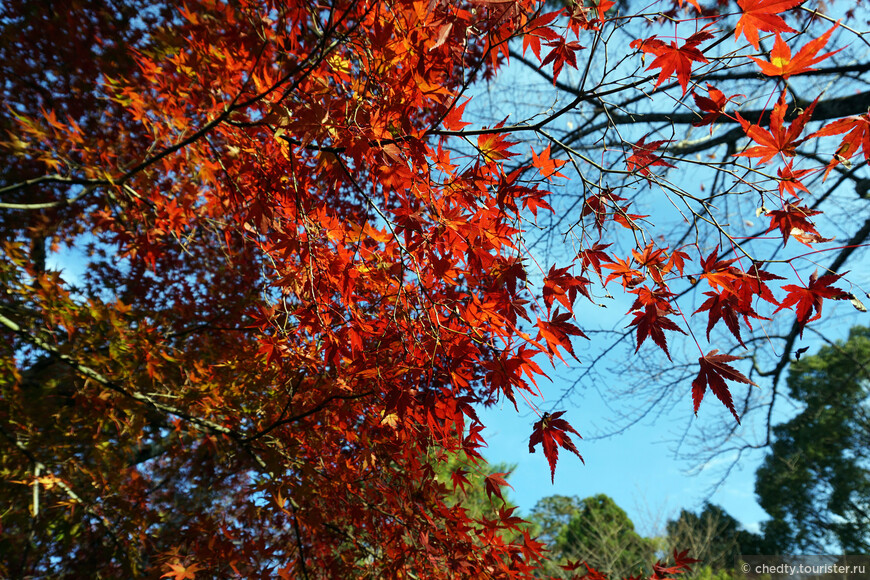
(594, 530)
(552, 514)
(472, 496)
(815, 483)
(714, 537)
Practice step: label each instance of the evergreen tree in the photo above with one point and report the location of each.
(815, 483)
(594, 530)
(714, 537)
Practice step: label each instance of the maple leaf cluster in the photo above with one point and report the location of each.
(301, 266)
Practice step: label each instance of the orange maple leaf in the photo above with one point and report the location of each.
(719, 272)
(494, 146)
(783, 65)
(452, 121)
(548, 167)
(623, 268)
(857, 131)
(762, 15)
(692, 2)
(778, 140)
(180, 572)
(564, 287)
(602, 6)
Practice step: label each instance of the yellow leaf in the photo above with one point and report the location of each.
(180, 572)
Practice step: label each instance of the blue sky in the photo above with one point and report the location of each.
(636, 468)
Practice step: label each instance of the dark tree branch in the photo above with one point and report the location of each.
(834, 108)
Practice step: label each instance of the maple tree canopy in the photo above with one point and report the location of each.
(261, 263)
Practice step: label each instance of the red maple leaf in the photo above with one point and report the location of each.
(713, 106)
(681, 566)
(552, 432)
(594, 256)
(762, 15)
(658, 297)
(790, 179)
(643, 156)
(792, 221)
(627, 220)
(507, 517)
(753, 284)
(652, 321)
(647, 46)
(537, 29)
(714, 370)
(536, 201)
(725, 306)
(592, 573)
(739, 290)
(597, 206)
(459, 479)
(857, 131)
(494, 482)
(808, 300)
(562, 286)
(453, 120)
(557, 332)
(581, 18)
(673, 60)
(563, 52)
(778, 140)
(571, 565)
(783, 65)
